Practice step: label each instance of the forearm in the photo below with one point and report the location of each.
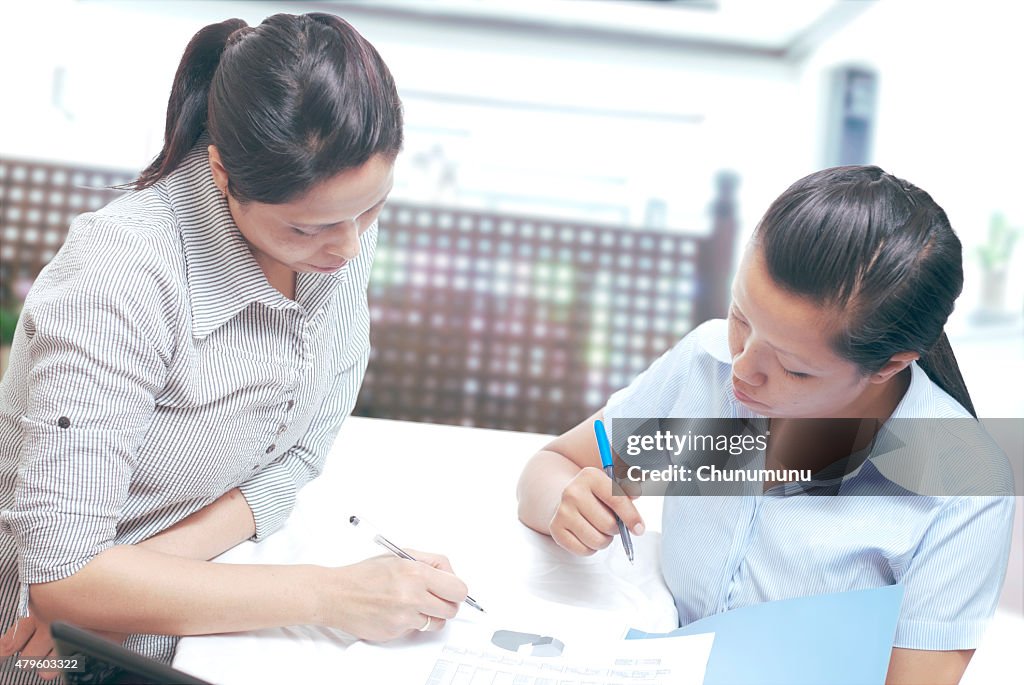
(131, 589)
(540, 488)
(208, 532)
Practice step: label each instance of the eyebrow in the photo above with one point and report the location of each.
(317, 227)
(779, 350)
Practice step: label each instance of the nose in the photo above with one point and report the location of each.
(746, 368)
(344, 242)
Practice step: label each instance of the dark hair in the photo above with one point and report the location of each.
(289, 103)
(882, 253)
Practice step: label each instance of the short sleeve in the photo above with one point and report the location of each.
(953, 581)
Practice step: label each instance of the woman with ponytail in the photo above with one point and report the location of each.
(182, 366)
(837, 316)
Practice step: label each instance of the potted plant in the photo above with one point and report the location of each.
(994, 256)
(8, 324)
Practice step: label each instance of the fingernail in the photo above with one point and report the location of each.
(639, 528)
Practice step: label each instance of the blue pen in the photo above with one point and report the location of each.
(608, 466)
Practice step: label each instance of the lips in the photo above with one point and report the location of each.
(334, 267)
(744, 397)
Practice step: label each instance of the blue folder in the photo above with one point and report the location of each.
(837, 639)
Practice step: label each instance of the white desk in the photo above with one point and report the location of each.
(452, 490)
(435, 488)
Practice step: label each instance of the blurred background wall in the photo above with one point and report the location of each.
(621, 116)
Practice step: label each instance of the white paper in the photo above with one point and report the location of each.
(592, 653)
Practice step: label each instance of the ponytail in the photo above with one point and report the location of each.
(186, 108)
(940, 364)
(289, 104)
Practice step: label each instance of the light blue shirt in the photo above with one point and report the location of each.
(724, 552)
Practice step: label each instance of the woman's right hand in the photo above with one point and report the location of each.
(30, 636)
(584, 520)
(385, 597)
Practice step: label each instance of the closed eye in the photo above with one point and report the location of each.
(796, 374)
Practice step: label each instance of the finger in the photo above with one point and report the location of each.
(623, 506)
(591, 536)
(445, 585)
(631, 489)
(49, 675)
(17, 636)
(440, 608)
(429, 624)
(587, 509)
(39, 645)
(438, 561)
(568, 540)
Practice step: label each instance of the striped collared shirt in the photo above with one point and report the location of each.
(154, 368)
(725, 552)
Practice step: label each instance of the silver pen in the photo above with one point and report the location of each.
(398, 551)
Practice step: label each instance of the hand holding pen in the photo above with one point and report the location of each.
(589, 513)
(399, 552)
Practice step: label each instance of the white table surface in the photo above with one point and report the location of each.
(445, 489)
(451, 490)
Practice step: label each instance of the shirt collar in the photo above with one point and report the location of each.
(889, 455)
(223, 276)
(919, 399)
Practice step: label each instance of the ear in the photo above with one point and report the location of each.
(220, 174)
(896, 363)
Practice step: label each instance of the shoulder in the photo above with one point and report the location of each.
(126, 256)
(691, 379)
(935, 444)
(945, 457)
(131, 240)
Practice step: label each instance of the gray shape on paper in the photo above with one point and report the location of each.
(542, 645)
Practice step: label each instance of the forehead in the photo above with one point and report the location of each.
(342, 197)
(788, 322)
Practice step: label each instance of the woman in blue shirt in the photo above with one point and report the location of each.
(837, 312)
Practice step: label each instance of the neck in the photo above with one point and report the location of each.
(280, 277)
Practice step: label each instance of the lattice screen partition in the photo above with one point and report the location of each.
(525, 323)
(478, 319)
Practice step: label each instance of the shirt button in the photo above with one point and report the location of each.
(282, 428)
(63, 422)
(291, 403)
(271, 449)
